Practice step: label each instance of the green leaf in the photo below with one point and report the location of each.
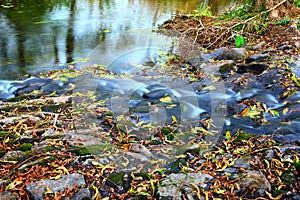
(239, 41)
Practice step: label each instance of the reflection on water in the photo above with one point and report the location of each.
(37, 36)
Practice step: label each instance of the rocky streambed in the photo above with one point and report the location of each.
(220, 123)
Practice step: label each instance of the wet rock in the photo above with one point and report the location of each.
(269, 50)
(32, 84)
(175, 185)
(55, 85)
(255, 180)
(225, 67)
(83, 194)
(256, 68)
(218, 52)
(257, 58)
(232, 54)
(197, 60)
(36, 190)
(256, 47)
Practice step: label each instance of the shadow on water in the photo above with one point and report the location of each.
(42, 35)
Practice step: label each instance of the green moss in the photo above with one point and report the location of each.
(275, 193)
(3, 134)
(168, 130)
(297, 165)
(24, 147)
(288, 177)
(117, 177)
(243, 136)
(174, 167)
(80, 150)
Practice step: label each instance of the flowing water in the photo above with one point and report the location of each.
(37, 36)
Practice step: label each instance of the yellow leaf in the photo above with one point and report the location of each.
(174, 119)
(228, 135)
(165, 99)
(6, 140)
(284, 112)
(106, 31)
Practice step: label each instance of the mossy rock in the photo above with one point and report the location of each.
(174, 167)
(24, 147)
(80, 150)
(288, 177)
(117, 177)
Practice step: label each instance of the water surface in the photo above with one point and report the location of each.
(43, 35)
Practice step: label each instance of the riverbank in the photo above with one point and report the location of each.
(64, 140)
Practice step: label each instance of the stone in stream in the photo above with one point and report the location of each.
(174, 186)
(257, 57)
(232, 54)
(256, 68)
(37, 189)
(32, 84)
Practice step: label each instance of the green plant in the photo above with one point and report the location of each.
(202, 11)
(296, 3)
(286, 20)
(239, 41)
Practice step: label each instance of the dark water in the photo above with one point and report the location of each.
(42, 35)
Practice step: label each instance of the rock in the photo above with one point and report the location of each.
(9, 196)
(288, 177)
(226, 66)
(233, 54)
(83, 194)
(256, 68)
(255, 180)
(55, 85)
(138, 148)
(175, 185)
(36, 190)
(242, 163)
(269, 50)
(284, 46)
(217, 53)
(120, 181)
(257, 58)
(11, 154)
(32, 84)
